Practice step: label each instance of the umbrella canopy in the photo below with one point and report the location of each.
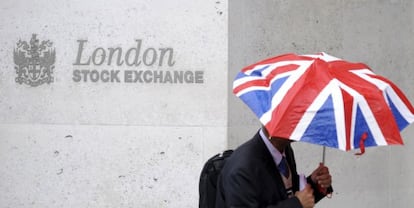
(324, 100)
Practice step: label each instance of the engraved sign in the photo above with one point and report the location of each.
(34, 61)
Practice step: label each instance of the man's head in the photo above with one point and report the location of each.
(278, 142)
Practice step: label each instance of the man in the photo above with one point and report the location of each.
(253, 177)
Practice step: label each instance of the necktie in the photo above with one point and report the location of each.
(283, 167)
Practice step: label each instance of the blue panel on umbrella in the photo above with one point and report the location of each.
(256, 73)
(361, 127)
(322, 129)
(401, 122)
(260, 101)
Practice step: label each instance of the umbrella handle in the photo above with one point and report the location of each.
(323, 154)
(329, 190)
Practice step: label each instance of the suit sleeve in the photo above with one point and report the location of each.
(241, 190)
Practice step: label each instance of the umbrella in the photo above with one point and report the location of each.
(324, 100)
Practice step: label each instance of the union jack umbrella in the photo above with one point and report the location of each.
(324, 100)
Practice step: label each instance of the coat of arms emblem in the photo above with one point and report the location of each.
(34, 61)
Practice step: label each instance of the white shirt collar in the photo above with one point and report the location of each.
(277, 156)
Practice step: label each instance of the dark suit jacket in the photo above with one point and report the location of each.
(251, 179)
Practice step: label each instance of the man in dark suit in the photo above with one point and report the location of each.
(253, 177)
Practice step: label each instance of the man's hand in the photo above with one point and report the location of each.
(306, 197)
(321, 176)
